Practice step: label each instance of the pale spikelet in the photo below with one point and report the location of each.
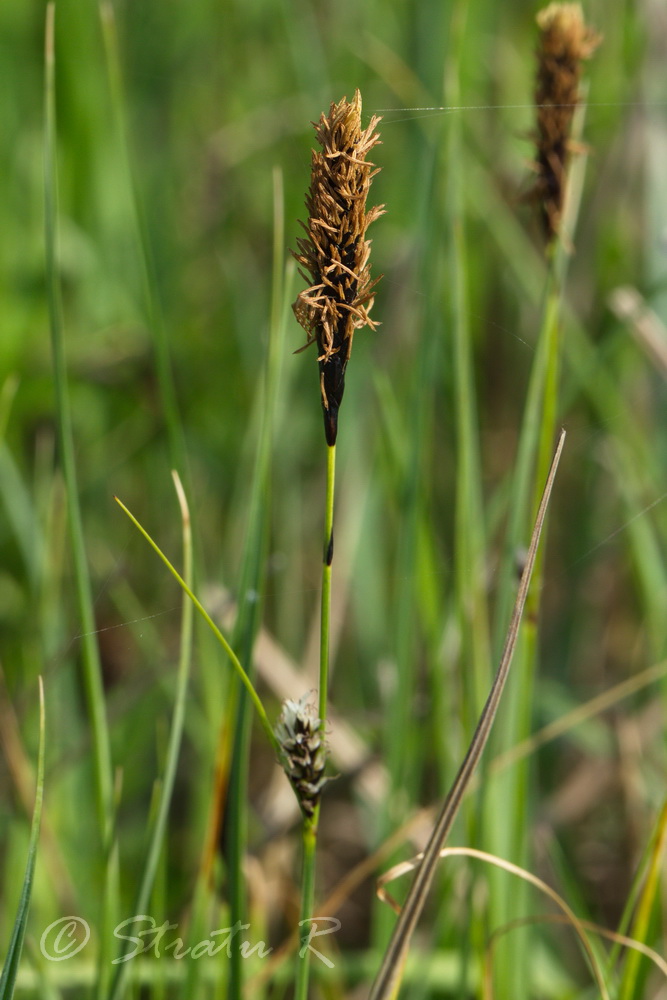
(304, 751)
(564, 41)
(335, 252)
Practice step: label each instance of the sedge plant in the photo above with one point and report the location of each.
(621, 431)
(335, 260)
(335, 254)
(564, 42)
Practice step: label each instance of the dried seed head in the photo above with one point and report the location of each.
(335, 252)
(304, 751)
(564, 41)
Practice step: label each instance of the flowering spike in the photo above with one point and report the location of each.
(335, 252)
(304, 751)
(564, 41)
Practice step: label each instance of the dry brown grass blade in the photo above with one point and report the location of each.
(388, 978)
(568, 915)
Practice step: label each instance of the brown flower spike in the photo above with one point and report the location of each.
(335, 252)
(564, 41)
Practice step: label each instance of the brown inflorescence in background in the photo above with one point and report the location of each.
(564, 41)
(335, 252)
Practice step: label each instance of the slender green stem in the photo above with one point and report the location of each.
(249, 610)
(307, 904)
(325, 619)
(310, 824)
(91, 659)
(405, 755)
(13, 957)
(469, 513)
(152, 305)
(546, 436)
(509, 839)
(245, 680)
(175, 734)
(537, 435)
(630, 983)
(91, 665)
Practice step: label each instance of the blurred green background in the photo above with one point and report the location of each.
(167, 195)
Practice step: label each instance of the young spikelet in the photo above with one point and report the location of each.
(564, 41)
(304, 751)
(335, 252)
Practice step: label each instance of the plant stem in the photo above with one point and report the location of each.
(159, 826)
(91, 664)
(249, 610)
(91, 660)
(147, 271)
(307, 903)
(310, 824)
(325, 619)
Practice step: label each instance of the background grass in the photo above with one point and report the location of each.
(166, 213)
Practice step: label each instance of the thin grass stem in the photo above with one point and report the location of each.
(641, 924)
(327, 559)
(159, 825)
(91, 664)
(310, 823)
(90, 650)
(249, 611)
(307, 904)
(152, 305)
(13, 956)
(236, 664)
(535, 444)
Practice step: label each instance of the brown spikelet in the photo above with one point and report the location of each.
(335, 252)
(304, 751)
(564, 41)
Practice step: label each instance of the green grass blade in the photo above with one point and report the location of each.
(534, 455)
(154, 316)
(645, 907)
(18, 504)
(92, 671)
(91, 657)
(245, 680)
(249, 605)
(11, 966)
(403, 755)
(470, 550)
(176, 731)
